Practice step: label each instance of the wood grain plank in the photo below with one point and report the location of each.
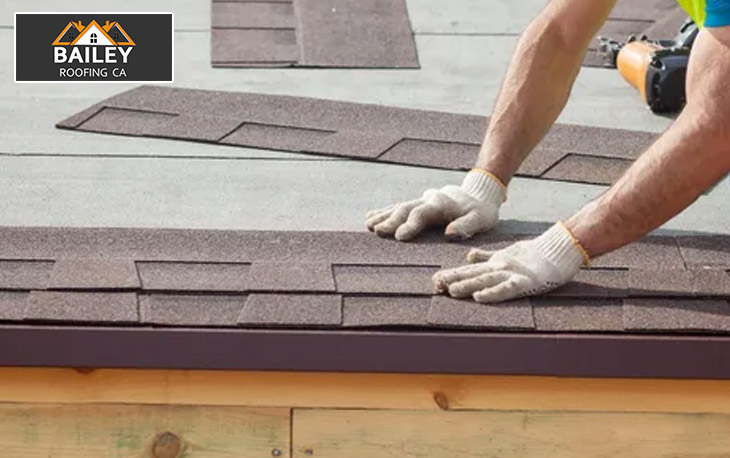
(421, 434)
(136, 431)
(374, 391)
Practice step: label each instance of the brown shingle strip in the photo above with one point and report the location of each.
(652, 252)
(74, 121)
(166, 245)
(540, 160)
(446, 155)
(712, 250)
(352, 143)
(12, 305)
(676, 314)
(276, 137)
(384, 279)
(292, 310)
(578, 314)
(462, 313)
(288, 276)
(319, 33)
(286, 264)
(24, 274)
(356, 33)
(679, 282)
(588, 169)
(377, 311)
(595, 283)
(711, 282)
(194, 276)
(191, 310)
(193, 126)
(362, 131)
(289, 111)
(216, 246)
(664, 282)
(255, 15)
(247, 47)
(111, 308)
(582, 140)
(94, 274)
(128, 122)
(163, 125)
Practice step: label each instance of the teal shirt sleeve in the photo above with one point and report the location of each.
(717, 13)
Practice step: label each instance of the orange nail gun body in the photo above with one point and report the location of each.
(657, 68)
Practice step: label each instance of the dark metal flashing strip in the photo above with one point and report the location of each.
(570, 355)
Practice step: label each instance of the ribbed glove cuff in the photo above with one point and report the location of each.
(560, 246)
(484, 187)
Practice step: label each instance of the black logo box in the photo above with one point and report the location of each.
(151, 59)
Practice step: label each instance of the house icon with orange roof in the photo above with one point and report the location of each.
(117, 33)
(111, 34)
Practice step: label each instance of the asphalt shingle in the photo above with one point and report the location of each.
(111, 308)
(191, 309)
(384, 279)
(465, 313)
(363, 131)
(667, 315)
(194, 276)
(377, 311)
(292, 310)
(94, 274)
(26, 275)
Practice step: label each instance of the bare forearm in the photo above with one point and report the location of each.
(664, 181)
(691, 155)
(538, 82)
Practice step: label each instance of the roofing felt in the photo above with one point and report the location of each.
(312, 33)
(657, 19)
(358, 131)
(99, 297)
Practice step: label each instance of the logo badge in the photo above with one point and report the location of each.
(94, 47)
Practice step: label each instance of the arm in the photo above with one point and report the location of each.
(535, 90)
(538, 81)
(692, 154)
(687, 159)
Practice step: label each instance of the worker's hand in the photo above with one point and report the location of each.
(523, 269)
(470, 208)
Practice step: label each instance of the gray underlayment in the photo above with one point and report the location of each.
(50, 177)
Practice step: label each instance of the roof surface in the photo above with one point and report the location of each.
(61, 178)
(213, 284)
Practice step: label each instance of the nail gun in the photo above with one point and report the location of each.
(657, 68)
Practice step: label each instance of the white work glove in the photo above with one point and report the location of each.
(523, 269)
(470, 208)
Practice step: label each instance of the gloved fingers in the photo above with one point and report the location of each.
(419, 218)
(376, 218)
(515, 286)
(377, 211)
(443, 278)
(397, 217)
(467, 225)
(477, 255)
(468, 287)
